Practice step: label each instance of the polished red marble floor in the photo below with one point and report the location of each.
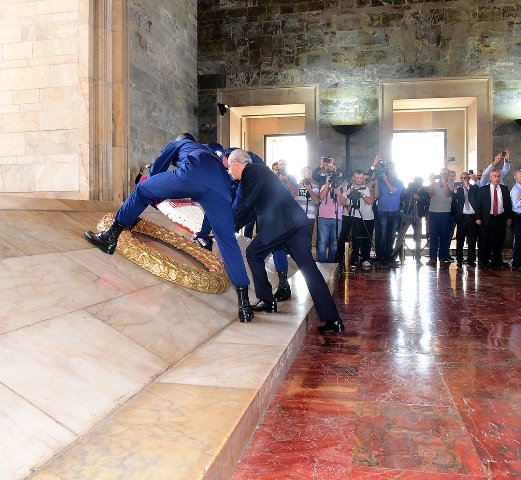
(424, 383)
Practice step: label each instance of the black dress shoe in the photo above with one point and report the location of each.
(336, 326)
(262, 306)
(471, 264)
(106, 240)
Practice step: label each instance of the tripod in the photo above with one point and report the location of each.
(348, 232)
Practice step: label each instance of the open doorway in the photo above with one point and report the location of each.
(292, 148)
(419, 153)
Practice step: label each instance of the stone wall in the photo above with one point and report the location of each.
(163, 75)
(41, 65)
(349, 46)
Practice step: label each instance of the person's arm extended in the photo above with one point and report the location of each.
(324, 189)
(165, 159)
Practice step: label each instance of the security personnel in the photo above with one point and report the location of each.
(283, 224)
(200, 176)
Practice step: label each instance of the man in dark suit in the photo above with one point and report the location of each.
(201, 176)
(282, 224)
(464, 206)
(493, 214)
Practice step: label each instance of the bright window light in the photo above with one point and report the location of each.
(292, 148)
(418, 154)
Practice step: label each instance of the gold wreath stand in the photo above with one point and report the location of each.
(211, 279)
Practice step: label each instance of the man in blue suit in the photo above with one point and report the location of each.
(282, 224)
(200, 176)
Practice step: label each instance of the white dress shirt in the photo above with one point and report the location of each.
(500, 208)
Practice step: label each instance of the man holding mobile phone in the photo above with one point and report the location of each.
(505, 156)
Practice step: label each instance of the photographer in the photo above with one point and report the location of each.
(320, 172)
(439, 217)
(414, 205)
(387, 191)
(289, 180)
(328, 223)
(357, 220)
(308, 197)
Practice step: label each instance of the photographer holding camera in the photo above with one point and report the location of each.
(414, 205)
(439, 217)
(357, 220)
(387, 191)
(328, 223)
(308, 197)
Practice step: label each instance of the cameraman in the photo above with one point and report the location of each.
(308, 197)
(320, 172)
(328, 223)
(415, 203)
(387, 191)
(289, 180)
(358, 200)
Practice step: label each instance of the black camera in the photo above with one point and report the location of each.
(354, 195)
(302, 192)
(380, 169)
(306, 181)
(335, 178)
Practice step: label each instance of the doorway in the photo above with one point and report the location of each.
(419, 153)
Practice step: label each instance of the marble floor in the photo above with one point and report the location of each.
(425, 383)
(108, 372)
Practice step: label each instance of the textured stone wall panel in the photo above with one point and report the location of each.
(349, 46)
(162, 74)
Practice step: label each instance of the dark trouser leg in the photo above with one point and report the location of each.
(484, 244)
(417, 231)
(472, 235)
(516, 258)
(461, 234)
(256, 253)
(393, 218)
(498, 238)
(358, 234)
(379, 235)
(300, 252)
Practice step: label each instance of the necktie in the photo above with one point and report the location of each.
(466, 195)
(494, 205)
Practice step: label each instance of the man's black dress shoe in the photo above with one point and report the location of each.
(262, 306)
(336, 326)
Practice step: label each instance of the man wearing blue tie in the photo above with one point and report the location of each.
(200, 176)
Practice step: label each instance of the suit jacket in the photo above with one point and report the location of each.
(276, 209)
(458, 201)
(484, 203)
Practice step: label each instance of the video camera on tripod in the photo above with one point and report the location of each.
(354, 195)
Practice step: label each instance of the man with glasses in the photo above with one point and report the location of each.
(464, 202)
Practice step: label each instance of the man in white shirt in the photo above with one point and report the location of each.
(485, 178)
(515, 196)
(493, 214)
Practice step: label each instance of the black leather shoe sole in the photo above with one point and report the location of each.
(262, 306)
(91, 237)
(337, 326)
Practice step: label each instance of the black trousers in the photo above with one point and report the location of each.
(296, 243)
(467, 229)
(516, 225)
(491, 239)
